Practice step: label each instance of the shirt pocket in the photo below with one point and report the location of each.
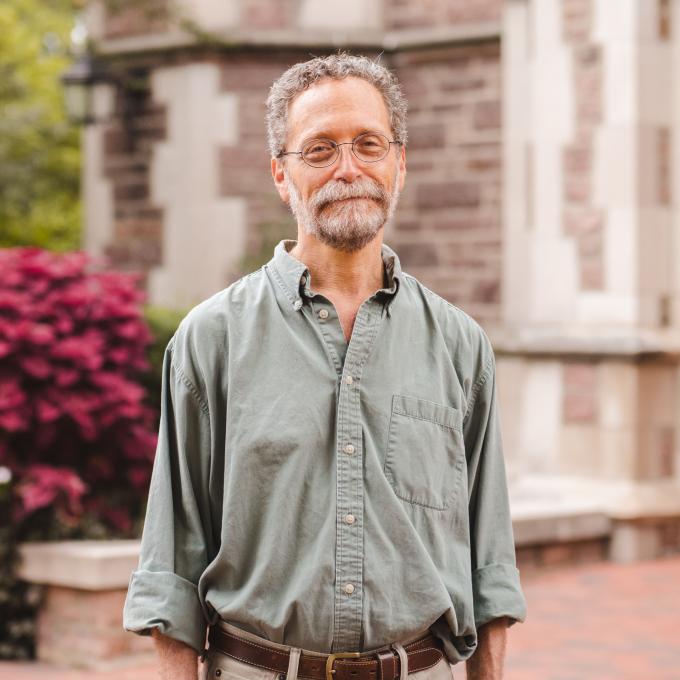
(425, 451)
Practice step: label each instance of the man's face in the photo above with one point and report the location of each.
(347, 203)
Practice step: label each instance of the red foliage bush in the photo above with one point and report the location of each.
(74, 428)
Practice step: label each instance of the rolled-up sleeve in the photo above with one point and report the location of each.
(495, 578)
(175, 544)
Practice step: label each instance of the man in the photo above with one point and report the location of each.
(329, 476)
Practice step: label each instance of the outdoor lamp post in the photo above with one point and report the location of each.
(79, 81)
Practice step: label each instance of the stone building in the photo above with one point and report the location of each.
(543, 136)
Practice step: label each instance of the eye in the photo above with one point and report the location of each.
(318, 147)
(372, 145)
(369, 141)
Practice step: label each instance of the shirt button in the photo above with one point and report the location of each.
(323, 313)
(349, 588)
(349, 379)
(349, 519)
(349, 448)
(297, 304)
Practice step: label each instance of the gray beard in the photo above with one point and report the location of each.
(348, 225)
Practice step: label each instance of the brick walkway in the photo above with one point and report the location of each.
(592, 622)
(600, 622)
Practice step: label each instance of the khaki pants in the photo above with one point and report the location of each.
(219, 666)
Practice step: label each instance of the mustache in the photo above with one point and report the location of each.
(335, 190)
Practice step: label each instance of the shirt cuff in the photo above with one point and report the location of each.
(163, 600)
(497, 592)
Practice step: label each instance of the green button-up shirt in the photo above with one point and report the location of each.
(328, 495)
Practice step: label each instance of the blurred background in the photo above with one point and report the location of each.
(541, 198)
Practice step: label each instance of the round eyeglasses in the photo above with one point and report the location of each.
(369, 147)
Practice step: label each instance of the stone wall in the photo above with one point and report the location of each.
(243, 167)
(125, 18)
(128, 141)
(582, 219)
(589, 153)
(590, 275)
(600, 417)
(437, 13)
(447, 229)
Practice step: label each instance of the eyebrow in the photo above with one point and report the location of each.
(323, 134)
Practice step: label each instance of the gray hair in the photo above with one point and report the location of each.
(336, 66)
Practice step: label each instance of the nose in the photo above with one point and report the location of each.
(347, 167)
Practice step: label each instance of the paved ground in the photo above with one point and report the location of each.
(593, 622)
(600, 622)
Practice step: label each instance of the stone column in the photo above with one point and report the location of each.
(588, 356)
(203, 231)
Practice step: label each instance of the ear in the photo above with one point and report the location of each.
(402, 166)
(279, 179)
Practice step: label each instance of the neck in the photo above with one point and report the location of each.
(357, 275)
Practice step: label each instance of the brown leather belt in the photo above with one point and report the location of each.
(382, 665)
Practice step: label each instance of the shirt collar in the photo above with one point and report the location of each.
(289, 271)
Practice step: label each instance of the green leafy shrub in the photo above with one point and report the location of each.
(39, 146)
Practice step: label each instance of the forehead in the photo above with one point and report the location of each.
(337, 108)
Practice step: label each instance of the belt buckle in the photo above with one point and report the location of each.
(332, 657)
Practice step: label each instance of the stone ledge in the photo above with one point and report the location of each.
(621, 499)
(371, 40)
(85, 565)
(637, 520)
(563, 342)
(560, 528)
